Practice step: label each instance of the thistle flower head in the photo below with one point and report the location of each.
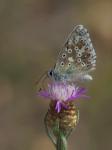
(62, 93)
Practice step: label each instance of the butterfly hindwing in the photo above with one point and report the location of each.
(78, 55)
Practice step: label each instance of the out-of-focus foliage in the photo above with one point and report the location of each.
(32, 33)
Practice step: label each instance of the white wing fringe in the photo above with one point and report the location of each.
(87, 77)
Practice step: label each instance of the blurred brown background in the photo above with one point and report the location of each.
(31, 34)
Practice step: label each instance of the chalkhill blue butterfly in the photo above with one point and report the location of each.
(76, 59)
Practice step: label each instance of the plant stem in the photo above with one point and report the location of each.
(61, 142)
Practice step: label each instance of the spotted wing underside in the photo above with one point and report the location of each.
(78, 55)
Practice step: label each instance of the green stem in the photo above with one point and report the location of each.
(61, 142)
(49, 131)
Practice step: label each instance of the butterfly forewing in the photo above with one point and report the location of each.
(78, 55)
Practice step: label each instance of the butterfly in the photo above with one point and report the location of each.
(76, 59)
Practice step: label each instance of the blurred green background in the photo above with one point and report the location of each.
(32, 33)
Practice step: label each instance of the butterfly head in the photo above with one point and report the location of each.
(51, 73)
(55, 76)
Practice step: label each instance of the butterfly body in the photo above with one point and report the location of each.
(76, 59)
(68, 77)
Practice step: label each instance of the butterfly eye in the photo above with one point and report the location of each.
(78, 60)
(62, 64)
(69, 50)
(63, 55)
(50, 73)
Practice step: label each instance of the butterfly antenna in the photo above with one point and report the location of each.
(43, 81)
(42, 78)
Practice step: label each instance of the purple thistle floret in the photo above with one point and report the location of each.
(62, 93)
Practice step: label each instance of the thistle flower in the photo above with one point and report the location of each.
(62, 116)
(62, 93)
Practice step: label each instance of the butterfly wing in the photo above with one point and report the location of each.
(78, 56)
